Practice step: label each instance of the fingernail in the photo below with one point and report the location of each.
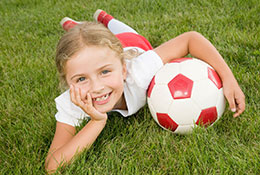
(233, 109)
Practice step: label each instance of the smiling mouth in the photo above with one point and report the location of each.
(102, 99)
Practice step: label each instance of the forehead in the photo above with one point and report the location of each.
(92, 58)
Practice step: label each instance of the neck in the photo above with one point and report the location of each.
(121, 104)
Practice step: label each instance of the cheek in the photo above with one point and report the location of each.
(116, 82)
(83, 89)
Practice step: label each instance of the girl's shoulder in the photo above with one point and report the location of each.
(141, 69)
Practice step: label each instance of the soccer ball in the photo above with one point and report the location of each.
(186, 93)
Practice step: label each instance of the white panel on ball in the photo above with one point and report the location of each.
(199, 72)
(205, 93)
(152, 110)
(221, 103)
(202, 62)
(163, 76)
(184, 129)
(184, 111)
(161, 104)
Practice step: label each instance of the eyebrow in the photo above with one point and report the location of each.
(102, 67)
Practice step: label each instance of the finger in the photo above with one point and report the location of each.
(81, 96)
(238, 112)
(240, 106)
(92, 111)
(242, 103)
(231, 102)
(89, 99)
(78, 97)
(72, 94)
(83, 99)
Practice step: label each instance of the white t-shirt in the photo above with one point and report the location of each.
(140, 71)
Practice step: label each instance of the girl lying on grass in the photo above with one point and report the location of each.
(107, 66)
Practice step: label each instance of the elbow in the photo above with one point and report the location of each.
(193, 34)
(51, 165)
(49, 168)
(194, 39)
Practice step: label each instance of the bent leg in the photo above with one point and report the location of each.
(114, 25)
(68, 23)
(127, 35)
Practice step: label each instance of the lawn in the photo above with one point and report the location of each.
(29, 84)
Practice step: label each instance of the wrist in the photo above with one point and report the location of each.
(99, 123)
(103, 120)
(228, 78)
(226, 75)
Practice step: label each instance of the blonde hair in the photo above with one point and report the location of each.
(82, 35)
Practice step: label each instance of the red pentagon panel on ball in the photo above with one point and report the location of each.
(180, 87)
(150, 88)
(179, 60)
(166, 121)
(213, 76)
(207, 116)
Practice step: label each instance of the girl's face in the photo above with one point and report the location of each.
(100, 72)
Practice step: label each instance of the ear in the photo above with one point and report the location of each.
(124, 71)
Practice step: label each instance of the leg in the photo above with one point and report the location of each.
(114, 25)
(128, 36)
(68, 23)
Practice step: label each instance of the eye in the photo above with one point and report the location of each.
(105, 71)
(80, 79)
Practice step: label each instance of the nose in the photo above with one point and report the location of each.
(97, 86)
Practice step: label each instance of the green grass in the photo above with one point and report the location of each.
(136, 145)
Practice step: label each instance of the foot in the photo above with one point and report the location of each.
(68, 23)
(102, 16)
(96, 14)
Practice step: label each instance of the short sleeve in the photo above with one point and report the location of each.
(68, 112)
(144, 67)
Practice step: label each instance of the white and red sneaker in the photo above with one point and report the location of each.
(102, 16)
(68, 23)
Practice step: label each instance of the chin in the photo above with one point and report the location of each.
(104, 110)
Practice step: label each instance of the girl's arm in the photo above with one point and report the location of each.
(64, 133)
(195, 44)
(66, 144)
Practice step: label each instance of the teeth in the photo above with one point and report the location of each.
(102, 98)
